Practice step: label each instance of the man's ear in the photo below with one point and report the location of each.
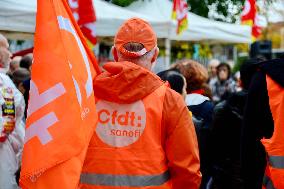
(114, 53)
(154, 58)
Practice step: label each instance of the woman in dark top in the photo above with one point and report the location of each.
(258, 122)
(226, 133)
(199, 103)
(224, 85)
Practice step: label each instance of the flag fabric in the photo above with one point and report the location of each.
(61, 111)
(250, 17)
(85, 16)
(180, 10)
(256, 28)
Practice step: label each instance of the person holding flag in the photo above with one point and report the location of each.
(61, 114)
(132, 137)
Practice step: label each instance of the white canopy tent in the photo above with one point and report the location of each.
(19, 16)
(199, 28)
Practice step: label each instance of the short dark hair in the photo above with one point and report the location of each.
(26, 62)
(224, 64)
(175, 79)
(20, 75)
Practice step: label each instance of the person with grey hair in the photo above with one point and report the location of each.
(145, 137)
(11, 122)
(212, 68)
(212, 71)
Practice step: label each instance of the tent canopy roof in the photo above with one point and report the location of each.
(19, 16)
(199, 28)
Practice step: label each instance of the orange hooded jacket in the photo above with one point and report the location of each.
(274, 146)
(125, 83)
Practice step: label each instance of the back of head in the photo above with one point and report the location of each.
(195, 74)
(131, 48)
(26, 62)
(20, 75)
(15, 63)
(136, 42)
(175, 79)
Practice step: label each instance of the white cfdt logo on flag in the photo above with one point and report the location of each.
(120, 125)
(37, 101)
(65, 24)
(40, 127)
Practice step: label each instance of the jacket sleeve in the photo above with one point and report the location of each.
(181, 145)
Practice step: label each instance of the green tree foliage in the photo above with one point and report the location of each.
(223, 10)
(122, 3)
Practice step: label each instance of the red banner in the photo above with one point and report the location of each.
(250, 17)
(85, 16)
(180, 11)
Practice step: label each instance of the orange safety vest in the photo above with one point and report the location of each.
(274, 174)
(127, 149)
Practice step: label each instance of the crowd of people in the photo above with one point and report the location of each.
(217, 111)
(231, 115)
(204, 126)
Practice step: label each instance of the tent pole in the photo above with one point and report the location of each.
(167, 52)
(235, 54)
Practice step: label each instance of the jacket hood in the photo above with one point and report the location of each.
(125, 82)
(275, 69)
(195, 99)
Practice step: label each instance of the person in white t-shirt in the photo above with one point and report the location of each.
(12, 127)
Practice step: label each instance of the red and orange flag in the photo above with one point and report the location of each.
(180, 11)
(250, 17)
(84, 13)
(61, 111)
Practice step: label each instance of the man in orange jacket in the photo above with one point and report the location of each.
(262, 144)
(145, 137)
